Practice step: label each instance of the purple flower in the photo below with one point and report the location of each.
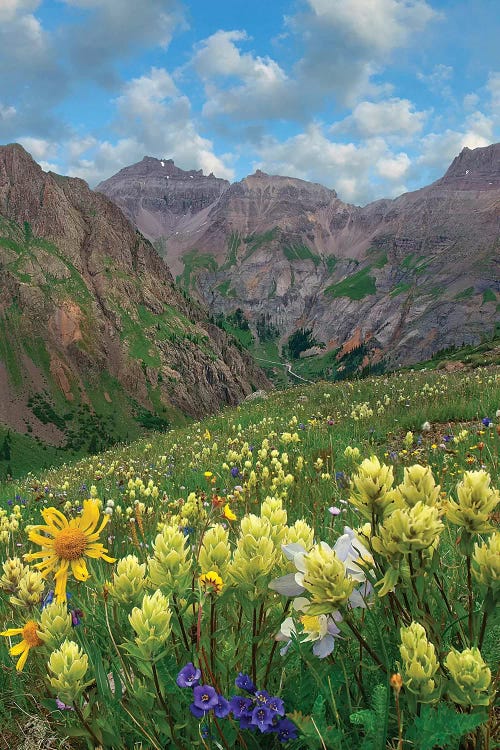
(262, 718)
(262, 696)
(222, 708)
(189, 676)
(240, 705)
(76, 617)
(286, 730)
(62, 706)
(205, 697)
(199, 713)
(235, 472)
(486, 421)
(244, 682)
(276, 705)
(334, 510)
(448, 438)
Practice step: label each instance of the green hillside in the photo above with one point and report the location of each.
(206, 508)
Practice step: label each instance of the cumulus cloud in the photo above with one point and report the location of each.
(358, 172)
(154, 118)
(33, 80)
(341, 44)
(388, 117)
(116, 29)
(348, 41)
(438, 149)
(262, 85)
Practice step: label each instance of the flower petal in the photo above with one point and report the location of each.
(286, 585)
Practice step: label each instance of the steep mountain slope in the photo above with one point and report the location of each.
(95, 338)
(396, 280)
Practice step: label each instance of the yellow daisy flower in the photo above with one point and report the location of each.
(30, 639)
(65, 544)
(228, 513)
(211, 582)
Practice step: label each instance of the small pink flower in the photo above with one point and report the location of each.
(334, 510)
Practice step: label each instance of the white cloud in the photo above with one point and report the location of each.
(39, 148)
(10, 9)
(263, 87)
(389, 117)
(116, 29)
(156, 120)
(348, 41)
(359, 173)
(379, 25)
(437, 150)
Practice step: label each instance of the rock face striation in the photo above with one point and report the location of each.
(159, 197)
(399, 278)
(91, 320)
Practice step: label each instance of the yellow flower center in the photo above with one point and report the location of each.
(30, 635)
(310, 623)
(70, 544)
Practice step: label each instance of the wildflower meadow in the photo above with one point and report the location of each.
(316, 569)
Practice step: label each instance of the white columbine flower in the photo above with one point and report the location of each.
(318, 629)
(349, 551)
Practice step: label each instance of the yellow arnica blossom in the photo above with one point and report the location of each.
(228, 513)
(65, 544)
(211, 582)
(30, 639)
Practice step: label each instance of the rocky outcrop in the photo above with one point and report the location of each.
(403, 278)
(87, 301)
(159, 197)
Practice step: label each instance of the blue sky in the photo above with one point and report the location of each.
(369, 97)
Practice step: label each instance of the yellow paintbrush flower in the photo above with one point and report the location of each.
(65, 544)
(30, 639)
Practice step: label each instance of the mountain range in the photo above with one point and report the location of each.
(394, 281)
(96, 339)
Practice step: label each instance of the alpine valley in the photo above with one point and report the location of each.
(273, 257)
(96, 340)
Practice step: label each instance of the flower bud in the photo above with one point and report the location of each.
(324, 576)
(170, 568)
(470, 677)
(408, 530)
(13, 571)
(372, 492)
(69, 665)
(55, 624)
(128, 580)
(486, 569)
(215, 551)
(300, 533)
(272, 509)
(418, 486)
(419, 663)
(151, 623)
(30, 589)
(476, 502)
(255, 554)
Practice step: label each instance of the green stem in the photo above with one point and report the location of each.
(471, 600)
(365, 645)
(87, 726)
(181, 623)
(163, 703)
(254, 645)
(482, 631)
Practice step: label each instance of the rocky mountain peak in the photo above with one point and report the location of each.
(474, 169)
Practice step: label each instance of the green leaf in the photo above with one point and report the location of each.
(442, 726)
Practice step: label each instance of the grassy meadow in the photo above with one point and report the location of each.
(314, 569)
